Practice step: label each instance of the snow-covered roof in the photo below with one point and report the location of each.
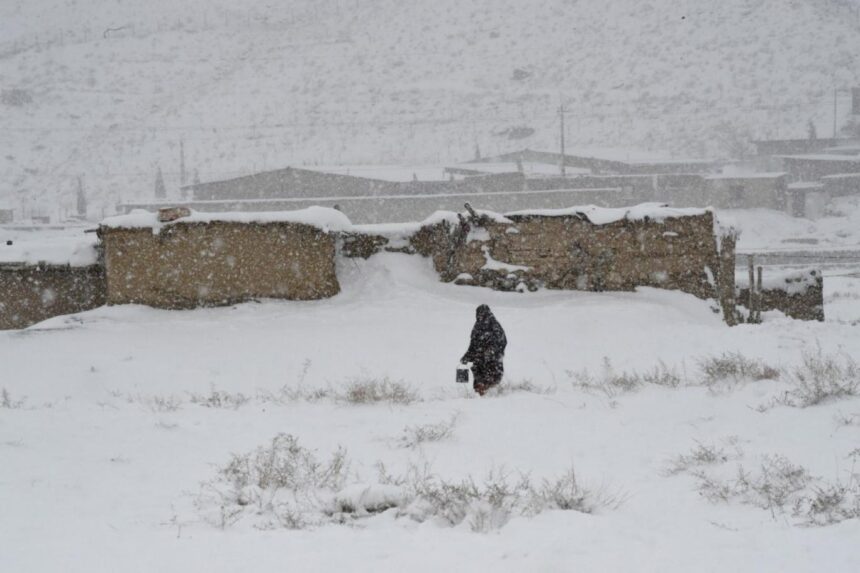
(822, 157)
(529, 168)
(738, 175)
(844, 149)
(842, 176)
(391, 173)
(806, 185)
(320, 217)
(630, 156)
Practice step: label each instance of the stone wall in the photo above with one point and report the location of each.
(33, 293)
(797, 294)
(571, 252)
(185, 265)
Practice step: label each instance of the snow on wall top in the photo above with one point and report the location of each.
(321, 217)
(596, 215)
(411, 227)
(78, 251)
(792, 282)
(606, 215)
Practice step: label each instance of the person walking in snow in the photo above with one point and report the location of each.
(486, 350)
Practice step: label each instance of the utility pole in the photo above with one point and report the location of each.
(181, 162)
(81, 199)
(835, 91)
(561, 160)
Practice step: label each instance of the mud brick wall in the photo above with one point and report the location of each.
(215, 263)
(570, 252)
(33, 293)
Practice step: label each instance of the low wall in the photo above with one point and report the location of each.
(184, 265)
(797, 294)
(570, 251)
(33, 293)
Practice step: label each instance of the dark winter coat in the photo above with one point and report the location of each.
(487, 348)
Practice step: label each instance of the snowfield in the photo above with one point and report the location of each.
(114, 425)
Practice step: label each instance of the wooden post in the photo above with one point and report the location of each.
(726, 278)
(758, 294)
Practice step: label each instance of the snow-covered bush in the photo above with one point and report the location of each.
(298, 393)
(494, 501)
(779, 486)
(16, 97)
(371, 390)
(701, 455)
(285, 485)
(413, 436)
(6, 400)
(524, 385)
(611, 382)
(820, 378)
(159, 403)
(282, 484)
(219, 399)
(735, 367)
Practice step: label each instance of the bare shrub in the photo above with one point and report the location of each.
(822, 378)
(373, 390)
(612, 383)
(413, 436)
(524, 385)
(286, 485)
(781, 486)
(701, 455)
(735, 367)
(847, 419)
(16, 97)
(491, 503)
(219, 399)
(157, 403)
(289, 394)
(830, 503)
(282, 484)
(6, 400)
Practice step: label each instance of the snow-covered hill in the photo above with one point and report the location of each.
(107, 89)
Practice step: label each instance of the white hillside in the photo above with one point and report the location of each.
(107, 88)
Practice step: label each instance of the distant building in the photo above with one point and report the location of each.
(7, 215)
(813, 167)
(611, 161)
(769, 152)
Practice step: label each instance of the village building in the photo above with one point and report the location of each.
(769, 151)
(7, 215)
(814, 167)
(610, 161)
(41, 279)
(180, 259)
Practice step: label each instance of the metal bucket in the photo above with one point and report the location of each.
(464, 373)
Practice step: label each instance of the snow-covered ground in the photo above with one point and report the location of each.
(769, 230)
(109, 436)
